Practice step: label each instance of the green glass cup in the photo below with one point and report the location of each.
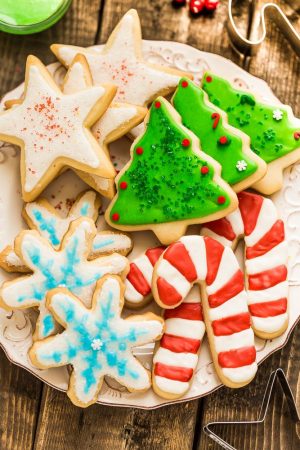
(30, 16)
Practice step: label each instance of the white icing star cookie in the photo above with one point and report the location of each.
(121, 62)
(97, 341)
(68, 267)
(53, 129)
(43, 217)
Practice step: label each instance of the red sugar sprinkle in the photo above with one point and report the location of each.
(157, 104)
(223, 140)
(123, 185)
(184, 84)
(185, 143)
(115, 217)
(297, 135)
(221, 200)
(209, 79)
(204, 170)
(139, 151)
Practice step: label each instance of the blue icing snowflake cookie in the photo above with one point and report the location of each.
(97, 341)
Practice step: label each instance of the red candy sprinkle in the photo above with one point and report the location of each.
(123, 185)
(221, 200)
(139, 150)
(204, 170)
(196, 6)
(157, 104)
(184, 84)
(115, 217)
(297, 135)
(209, 79)
(185, 143)
(211, 5)
(223, 140)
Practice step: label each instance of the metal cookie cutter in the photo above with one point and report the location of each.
(277, 374)
(273, 12)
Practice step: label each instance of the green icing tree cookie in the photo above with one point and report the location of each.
(168, 183)
(240, 166)
(273, 130)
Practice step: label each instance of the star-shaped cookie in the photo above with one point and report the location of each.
(121, 63)
(68, 267)
(97, 341)
(53, 129)
(43, 217)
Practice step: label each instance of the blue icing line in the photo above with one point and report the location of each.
(47, 225)
(102, 244)
(84, 209)
(48, 325)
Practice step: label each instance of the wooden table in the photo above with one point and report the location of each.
(33, 415)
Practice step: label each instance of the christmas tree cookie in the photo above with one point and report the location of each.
(273, 130)
(240, 166)
(169, 183)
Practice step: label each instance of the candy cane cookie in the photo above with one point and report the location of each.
(266, 257)
(176, 355)
(138, 281)
(204, 261)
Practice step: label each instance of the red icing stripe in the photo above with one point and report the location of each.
(268, 278)
(269, 309)
(231, 324)
(178, 256)
(232, 288)
(183, 374)
(167, 293)
(178, 344)
(154, 253)
(214, 252)
(222, 227)
(237, 358)
(272, 238)
(250, 206)
(138, 280)
(189, 311)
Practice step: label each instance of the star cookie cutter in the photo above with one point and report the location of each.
(277, 374)
(270, 11)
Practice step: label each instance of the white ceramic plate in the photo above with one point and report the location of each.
(15, 328)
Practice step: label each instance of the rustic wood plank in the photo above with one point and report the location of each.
(19, 405)
(78, 26)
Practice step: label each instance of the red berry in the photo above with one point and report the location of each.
(221, 200)
(157, 104)
(297, 135)
(184, 84)
(223, 140)
(211, 5)
(139, 150)
(123, 185)
(115, 217)
(204, 170)
(209, 79)
(185, 143)
(196, 6)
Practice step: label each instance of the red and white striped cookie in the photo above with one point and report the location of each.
(266, 258)
(138, 281)
(176, 355)
(203, 260)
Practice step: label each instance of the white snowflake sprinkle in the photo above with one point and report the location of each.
(241, 165)
(96, 344)
(277, 114)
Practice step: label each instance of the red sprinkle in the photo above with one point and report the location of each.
(185, 143)
(204, 170)
(115, 217)
(139, 151)
(221, 200)
(209, 79)
(223, 140)
(184, 84)
(157, 104)
(297, 135)
(123, 185)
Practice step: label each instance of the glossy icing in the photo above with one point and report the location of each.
(271, 137)
(97, 342)
(67, 267)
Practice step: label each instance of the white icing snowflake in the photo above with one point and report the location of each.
(277, 114)
(96, 344)
(241, 165)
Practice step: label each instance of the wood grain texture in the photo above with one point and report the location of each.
(19, 406)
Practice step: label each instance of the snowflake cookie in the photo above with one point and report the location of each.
(68, 267)
(97, 341)
(43, 217)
